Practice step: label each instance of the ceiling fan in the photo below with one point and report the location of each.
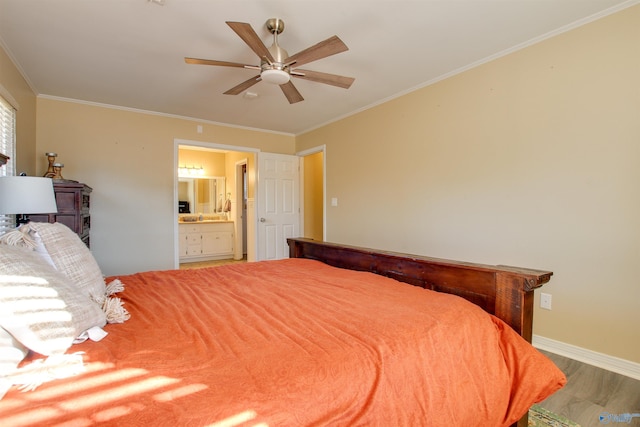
(276, 66)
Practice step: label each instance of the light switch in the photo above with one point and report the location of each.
(334, 201)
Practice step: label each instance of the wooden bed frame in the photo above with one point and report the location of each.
(506, 292)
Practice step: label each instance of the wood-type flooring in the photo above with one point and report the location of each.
(592, 393)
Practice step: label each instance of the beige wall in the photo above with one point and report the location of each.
(128, 159)
(14, 87)
(530, 160)
(212, 163)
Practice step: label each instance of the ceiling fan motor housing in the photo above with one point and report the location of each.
(275, 72)
(278, 54)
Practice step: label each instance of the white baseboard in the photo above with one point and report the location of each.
(600, 360)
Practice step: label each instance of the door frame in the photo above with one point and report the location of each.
(239, 203)
(177, 142)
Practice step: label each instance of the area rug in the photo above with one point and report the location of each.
(540, 417)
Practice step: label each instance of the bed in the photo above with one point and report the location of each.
(335, 335)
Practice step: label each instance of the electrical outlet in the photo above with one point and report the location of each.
(545, 301)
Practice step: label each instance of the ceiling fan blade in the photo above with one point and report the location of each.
(247, 33)
(329, 47)
(243, 86)
(214, 62)
(291, 92)
(326, 78)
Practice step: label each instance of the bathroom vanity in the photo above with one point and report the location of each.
(205, 240)
(204, 230)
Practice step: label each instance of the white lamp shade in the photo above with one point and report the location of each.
(26, 195)
(277, 77)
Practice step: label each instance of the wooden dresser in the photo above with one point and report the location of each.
(73, 200)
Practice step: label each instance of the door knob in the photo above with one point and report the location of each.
(263, 220)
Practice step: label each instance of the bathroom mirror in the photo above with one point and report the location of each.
(201, 195)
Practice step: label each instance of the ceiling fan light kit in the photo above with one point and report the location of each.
(277, 77)
(276, 66)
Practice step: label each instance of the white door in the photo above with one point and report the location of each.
(278, 204)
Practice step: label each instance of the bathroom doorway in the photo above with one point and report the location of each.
(241, 181)
(223, 161)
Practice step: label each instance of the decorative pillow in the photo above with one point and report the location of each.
(39, 306)
(71, 257)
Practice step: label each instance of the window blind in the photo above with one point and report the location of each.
(8, 148)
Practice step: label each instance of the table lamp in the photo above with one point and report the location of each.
(23, 195)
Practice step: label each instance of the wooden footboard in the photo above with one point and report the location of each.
(506, 292)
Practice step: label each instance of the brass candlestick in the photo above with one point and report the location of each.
(52, 158)
(57, 171)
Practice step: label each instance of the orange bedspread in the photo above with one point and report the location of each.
(293, 343)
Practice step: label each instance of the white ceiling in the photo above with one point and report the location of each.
(130, 53)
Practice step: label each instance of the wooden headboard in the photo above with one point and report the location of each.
(506, 292)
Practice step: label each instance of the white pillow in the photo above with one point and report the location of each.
(39, 306)
(71, 257)
(11, 352)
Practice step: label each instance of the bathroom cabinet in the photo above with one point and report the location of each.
(202, 241)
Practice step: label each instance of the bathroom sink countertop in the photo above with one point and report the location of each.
(204, 221)
(202, 218)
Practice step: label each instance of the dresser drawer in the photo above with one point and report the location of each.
(189, 228)
(72, 201)
(194, 239)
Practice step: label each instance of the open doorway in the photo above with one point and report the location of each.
(313, 186)
(232, 190)
(240, 188)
